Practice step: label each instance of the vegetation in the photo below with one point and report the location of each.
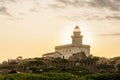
(105, 67)
(91, 68)
(103, 76)
(60, 76)
(43, 76)
(118, 66)
(12, 72)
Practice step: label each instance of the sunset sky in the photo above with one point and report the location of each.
(30, 28)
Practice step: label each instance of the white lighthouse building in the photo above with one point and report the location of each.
(66, 51)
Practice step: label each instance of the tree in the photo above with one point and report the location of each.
(12, 72)
(118, 67)
(105, 67)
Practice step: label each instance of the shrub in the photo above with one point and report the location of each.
(43, 76)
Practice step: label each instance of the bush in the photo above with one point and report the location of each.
(60, 76)
(103, 76)
(43, 76)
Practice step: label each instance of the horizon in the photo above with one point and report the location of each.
(32, 28)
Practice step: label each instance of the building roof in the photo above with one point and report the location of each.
(77, 27)
(71, 45)
(51, 53)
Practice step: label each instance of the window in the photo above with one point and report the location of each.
(69, 50)
(66, 50)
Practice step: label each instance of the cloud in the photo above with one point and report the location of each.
(13, 0)
(5, 1)
(16, 7)
(69, 9)
(113, 17)
(87, 9)
(108, 4)
(3, 11)
(56, 6)
(3, 8)
(113, 34)
(110, 17)
(74, 3)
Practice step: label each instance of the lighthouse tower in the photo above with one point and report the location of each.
(77, 37)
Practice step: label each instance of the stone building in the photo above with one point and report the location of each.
(75, 47)
(52, 55)
(78, 56)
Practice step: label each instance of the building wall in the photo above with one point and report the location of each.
(57, 55)
(53, 55)
(69, 51)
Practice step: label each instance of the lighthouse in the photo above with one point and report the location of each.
(67, 50)
(77, 37)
